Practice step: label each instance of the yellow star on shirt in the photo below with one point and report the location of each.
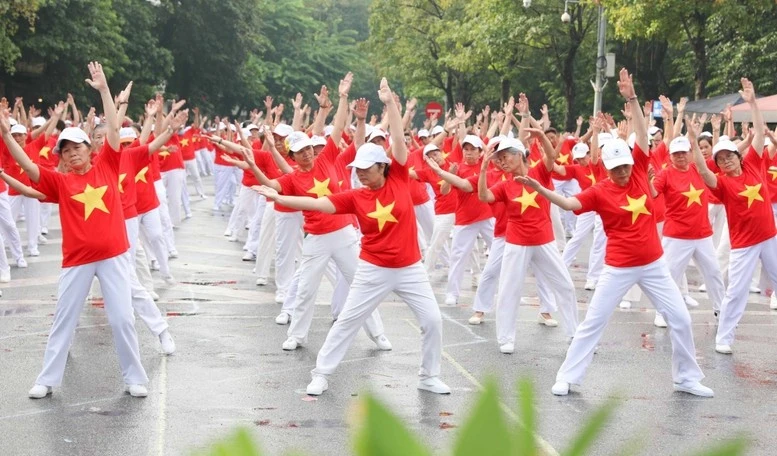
(533, 163)
(184, 142)
(636, 206)
(773, 172)
(164, 154)
(563, 159)
(383, 214)
(45, 152)
(694, 195)
(340, 183)
(752, 193)
(445, 155)
(592, 177)
(320, 189)
(92, 199)
(441, 182)
(504, 178)
(412, 168)
(527, 200)
(121, 179)
(141, 175)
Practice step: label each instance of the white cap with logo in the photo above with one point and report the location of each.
(71, 134)
(580, 150)
(296, 141)
(616, 153)
(367, 155)
(679, 144)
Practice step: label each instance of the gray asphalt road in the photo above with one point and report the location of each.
(230, 370)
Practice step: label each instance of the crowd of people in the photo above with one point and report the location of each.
(379, 207)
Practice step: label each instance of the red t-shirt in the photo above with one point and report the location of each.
(493, 177)
(386, 218)
(586, 176)
(46, 156)
(659, 158)
(32, 149)
(443, 204)
(188, 144)
(747, 202)
(132, 160)
(469, 209)
(145, 192)
(90, 210)
(341, 163)
(171, 158)
(415, 161)
(771, 175)
(528, 213)
(686, 199)
(320, 181)
(626, 212)
(266, 163)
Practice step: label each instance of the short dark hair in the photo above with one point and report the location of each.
(551, 130)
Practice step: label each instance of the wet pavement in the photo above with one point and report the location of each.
(230, 371)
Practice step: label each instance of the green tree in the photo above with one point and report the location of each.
(11, 13)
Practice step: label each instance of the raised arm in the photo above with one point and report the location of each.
(302, 203)
(701, 164)
(638, 123)
(324, 106)
(338, 125)
(667, 112)
(360, 108)
(452, 179)
(678, 125)
(398, 146)
(748, 95)
(484, 194)
(100, 83)
(567, 203)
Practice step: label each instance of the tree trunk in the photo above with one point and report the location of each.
(448, 94)
(699, 45)
(568, 78)
(505, 90)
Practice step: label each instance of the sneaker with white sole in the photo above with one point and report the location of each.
(450, 300)
(172, 254)
(227, 233)
(154, 265)
(772, 300)
(703, 287)
(477, 318)
(590, 285)
(317, 385)
(659, 321)
(39, 391)
(21, 263)
(42, 240)
(434, 385)
(5, 275)
(168, 344)
(154, 296)
(382, 342)
(34, 252)
(280, 297)
(754, 289)
(261, 281)
(549, 322)
(44, 230)
(690, 302)
(282, 319)
(695, 388)
(723, 349)
(560, 389)
(249, 257)
(507, 348)
(136, 390)
(170, 281)
(290, 344)
(625, 304)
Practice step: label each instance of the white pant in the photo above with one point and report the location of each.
(339, 295)
(265, 252)
(464, 237)
(243, 211)
(8, 227)
(164, 216)
(370, 286)
(340, 246)
(31, 208)
(567, 188)
(224, 180)
(441, 233)
(489, 280)
(558, 227)
(655, 280)
(546, 261)
(288, 246)
(191, 171)
(424, 215)
(743, 264)
(255, 229)
(175, 183)
(142, 269)
(142, 302)
(204, 162)
(45, 214)
(74, 285)
(717, 216)
(585, 224)
(151, 228)
(678, 253)
(634, 294)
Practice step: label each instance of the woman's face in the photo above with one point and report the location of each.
(304, 157)
(75, 155)
(584, 160)
(379, 140)
(728, 161)
(98, 139)
(511, 163)
(706, 148)
(620, 175)
(680, 160)
(436, 156)
(372, 177)
(20, 139)
(471, 154)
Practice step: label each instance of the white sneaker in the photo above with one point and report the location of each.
(249, 257)
(232, 239)
(5, 275)
(690, 302)
(625, 304)
(261, 281)
(154, 296)
(434, 385)
(170, 281)
(227, 233)
(290, 344)
(39, 391)
(659, 321)
(590, 285)
(172, 254)
(560, 389)
(44, 230)
(34, 252)
(450, 300)
(723, 349)
(382, 342)
(772, 300)
(754, 289)
(21, 263)
(695, 388)
(703, 287)
(477, 318)
(42, 239)
(507, 348)
(154, 265)
(280, 297)
(283, 319)
(136, 390)
(549, 322)
(203, 196)
(525, 302)
(168, 345)
(317, 386)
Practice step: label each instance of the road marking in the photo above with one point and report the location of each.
(161, 424)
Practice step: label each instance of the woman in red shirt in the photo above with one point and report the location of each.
(742, 189)
(89, 203)
(390, 259)
(624, 204)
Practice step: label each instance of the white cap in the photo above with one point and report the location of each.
(376, 133)
(367, 155)
(18, 129)
(580, 150)
(603, 138)
(38, 121)
(71, 134)
(437, 130)
(632, 141)
(724, 138)
(497, 139)
(297, 141)
(430, 147)
(127, 134)
(767, 141)
(283, 130)
(222, 126)
(12, 121)
(68, 123)
(423, 133)
(679, 144)
(251, 126)
(98, 121)
(232, 127)
(511, 143)
(318, 141)
(246, 132)
(705, 134)
(474, 140)
(328, 130)
(724, 144)
(616, 153)
(653, 130)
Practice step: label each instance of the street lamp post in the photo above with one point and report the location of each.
(601, 62)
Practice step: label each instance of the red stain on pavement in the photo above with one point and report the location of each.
(746, 372)
(262, 422)
(99, 303)
(445, 425)
(646, 343)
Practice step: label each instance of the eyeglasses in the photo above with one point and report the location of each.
(726, 158)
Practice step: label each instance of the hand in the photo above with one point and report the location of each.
(297, 101)
(279, 109)
(666, 105)
(651, 172)
(626, 111)
(454, 169)
(479, 118)
(97, 80)
(373, 119)
(528, 182)
(523, 104)
(487, 157)
(681, 104)
(647, 109)
(323, 98)
(123, 96)
(623, 129)
(267, 192)
(233, 161)
(248, 156)
(427, 124)
(433, 119)
(432, 164)
(151, 108)
(500, 116)
(177, 105)
(579, 121)
(59, 109)
(385, 92)
(692, 135)
(411, 104)
(70, 99)
(5, 124)
(360, 108)
(509, 107)
(451, 124)
(703, 120)
(180, 119)
(715, 122)
(270, 139)
(748, 91)
(19, 101)
(544, 110)
(535, 133)
(494, 116)
(626, 85)
(90, 115)
(345, 85)
(459, 110)
(268, 103)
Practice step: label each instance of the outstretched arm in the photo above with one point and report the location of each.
(302, 203)
(567, 203)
